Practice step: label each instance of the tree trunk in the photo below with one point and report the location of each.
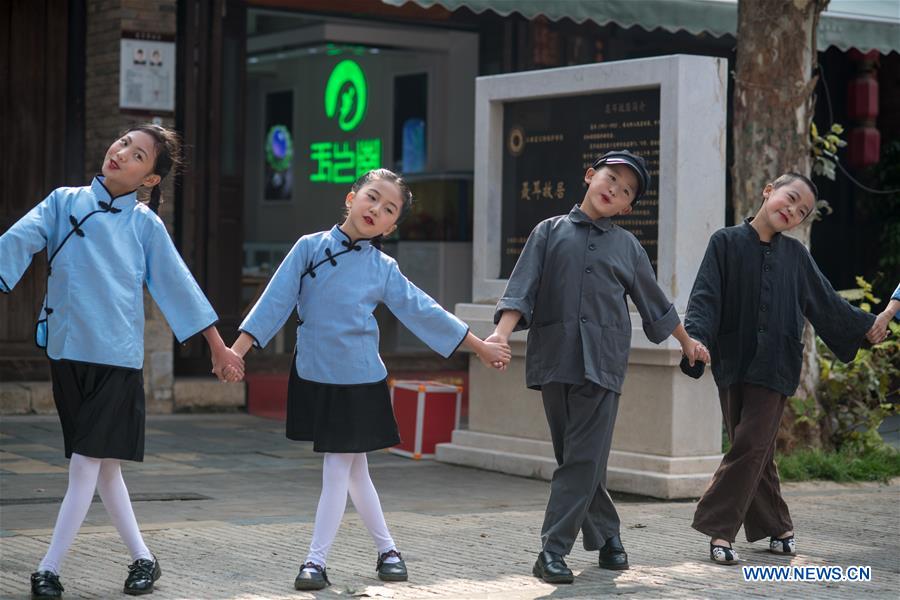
(773, 108)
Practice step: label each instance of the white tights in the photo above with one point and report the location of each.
(85, 475)
(343, 473)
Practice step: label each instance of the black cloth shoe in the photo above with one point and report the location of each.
(45, 585)
(783, 545)
(314, 579)
(723, 555)
(142, 573)
(552, 568)
(613, 555)
(391, 571)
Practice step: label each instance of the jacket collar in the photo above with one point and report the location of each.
(104, 197)
(338, 234)
(751, 232)
(576, 215)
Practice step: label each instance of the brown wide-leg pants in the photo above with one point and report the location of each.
(745, 488)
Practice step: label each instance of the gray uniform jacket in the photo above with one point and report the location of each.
(570, 284)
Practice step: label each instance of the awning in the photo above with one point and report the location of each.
(861, 24)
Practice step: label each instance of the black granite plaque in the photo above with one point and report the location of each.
(548, 145)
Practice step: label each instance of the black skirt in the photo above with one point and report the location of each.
(101, 409)
(340, 418)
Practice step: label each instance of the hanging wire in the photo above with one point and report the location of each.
(853, 180)
(827, 93)
(860, 185)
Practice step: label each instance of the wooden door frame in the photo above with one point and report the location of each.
(209, 203)
(47, 132)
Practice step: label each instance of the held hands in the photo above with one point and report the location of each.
(695, 351)
(496, 340)
(695, 357)
(228, 365)
(879, 330)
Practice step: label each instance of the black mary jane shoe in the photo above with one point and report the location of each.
(391, 571)
(142, 574)
(613, 555)
(552, 568)
(45, 585)
(311, 577)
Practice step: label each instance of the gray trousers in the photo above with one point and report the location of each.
(581, 419)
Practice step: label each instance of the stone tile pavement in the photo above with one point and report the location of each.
(227, 503)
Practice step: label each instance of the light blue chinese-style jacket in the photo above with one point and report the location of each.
(335, 285)
(896, 296)
(101, 250)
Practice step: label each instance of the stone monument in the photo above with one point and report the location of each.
(535, 134)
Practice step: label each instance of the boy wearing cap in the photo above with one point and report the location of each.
(568, 288)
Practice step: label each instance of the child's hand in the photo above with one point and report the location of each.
(496, 338)
(878, 331)
(495, 354)
(231, 374)
(695, 351)
(228, 366)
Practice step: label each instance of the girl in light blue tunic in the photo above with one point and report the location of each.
(337, 392)
(102, 247)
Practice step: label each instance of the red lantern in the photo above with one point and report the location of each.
(862, 98)
(864, 147)
(863, 140)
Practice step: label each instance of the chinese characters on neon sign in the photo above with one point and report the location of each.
(344, 162)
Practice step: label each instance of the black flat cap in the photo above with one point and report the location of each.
(637, 164)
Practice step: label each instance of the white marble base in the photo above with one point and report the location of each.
(632, 472)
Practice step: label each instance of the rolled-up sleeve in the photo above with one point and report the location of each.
(522, 287)
(422, 315)
(174, 288)
(658, 314)
(279, 298)
(23, 240)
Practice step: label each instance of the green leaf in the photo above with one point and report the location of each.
(852, 294)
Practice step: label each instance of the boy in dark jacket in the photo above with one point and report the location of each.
(753, 292)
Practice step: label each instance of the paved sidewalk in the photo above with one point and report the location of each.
(226, 503)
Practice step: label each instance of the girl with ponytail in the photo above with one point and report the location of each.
(102, 247)
(337, 395)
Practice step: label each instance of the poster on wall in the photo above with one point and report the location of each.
(147, 72)
(279, 146)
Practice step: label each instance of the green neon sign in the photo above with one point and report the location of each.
(346, 95)
(343, 162)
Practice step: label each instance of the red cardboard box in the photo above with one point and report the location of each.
(427, 412)
(452, 378)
